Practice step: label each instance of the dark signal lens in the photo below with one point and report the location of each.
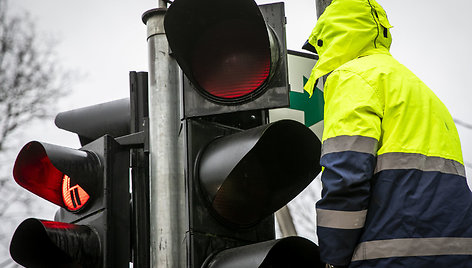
(39, 243)
(34, 171)
(232, 60)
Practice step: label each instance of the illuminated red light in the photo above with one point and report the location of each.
(34, 171)
(74, 197)
(57, 225)
(232, 60)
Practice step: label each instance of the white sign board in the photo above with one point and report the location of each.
(304, 109)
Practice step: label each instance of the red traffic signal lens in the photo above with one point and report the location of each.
(74, 197)
(35, 171)
(232, 60)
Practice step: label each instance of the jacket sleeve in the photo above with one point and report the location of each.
(352, 127)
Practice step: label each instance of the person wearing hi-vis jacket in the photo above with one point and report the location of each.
(394, 187)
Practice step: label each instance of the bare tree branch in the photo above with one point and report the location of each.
(31, 81)
(30, 77)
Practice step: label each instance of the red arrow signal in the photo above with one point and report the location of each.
(74, 197)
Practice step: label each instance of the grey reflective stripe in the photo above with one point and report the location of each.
(359, 144)
(408, 247)
(418, 161)
(340, 219)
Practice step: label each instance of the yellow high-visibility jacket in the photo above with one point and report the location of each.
(394, 187)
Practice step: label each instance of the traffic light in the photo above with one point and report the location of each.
(236, 180)
(240, 170)
(92, 122)
(233, 54)
(91, 186)
(287, 252)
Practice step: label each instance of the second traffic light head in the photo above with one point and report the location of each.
(50, 171)
(92, 185)
(251, 174)
(92, 122)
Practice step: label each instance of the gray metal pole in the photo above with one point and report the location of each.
(167, 187)
(321, 6)
(161, 4)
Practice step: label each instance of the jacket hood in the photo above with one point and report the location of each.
(346, 30)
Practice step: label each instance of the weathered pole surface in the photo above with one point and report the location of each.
(167, 187)
(161, 4)
(321, 6)
(140, 170)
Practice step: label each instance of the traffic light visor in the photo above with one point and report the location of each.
(48, 171)
(251, 174)
(40, 243)
(291, 251)
(92, 122)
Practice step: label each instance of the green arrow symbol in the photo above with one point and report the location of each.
(312, 107)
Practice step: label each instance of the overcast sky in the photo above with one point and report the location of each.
(104, 40)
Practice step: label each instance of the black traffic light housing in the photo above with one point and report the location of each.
(92, 122)
(240, 170)
(250, 174)
(233, 55)
(50, 171)
(92, 186)
(97, 234)
(42, 243)
(237, 179)
(291, 251)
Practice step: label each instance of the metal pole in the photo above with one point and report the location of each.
(140, 170)
(167, 187)
(161, 4)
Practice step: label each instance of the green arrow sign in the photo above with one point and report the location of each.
(312, 107)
